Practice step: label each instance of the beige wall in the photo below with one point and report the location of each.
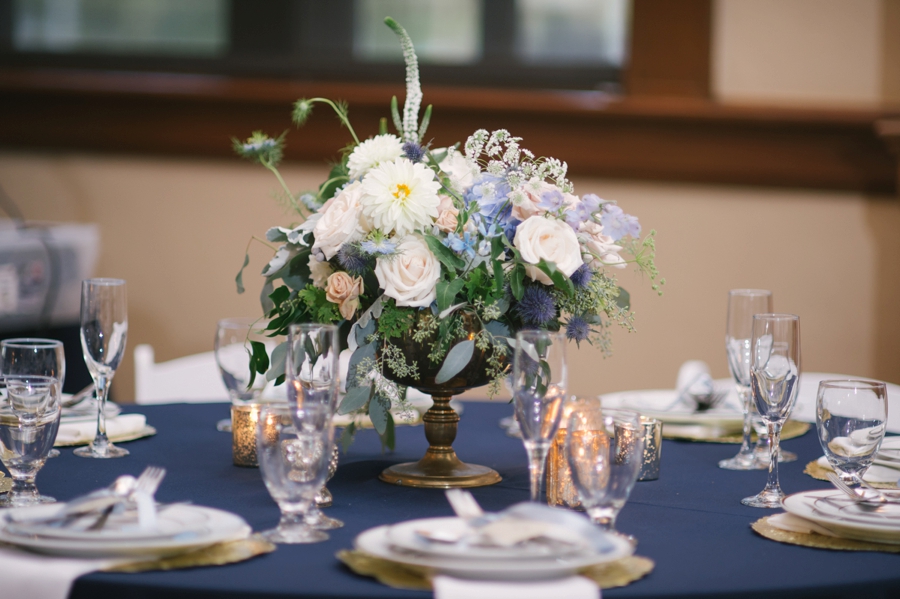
(177, 229)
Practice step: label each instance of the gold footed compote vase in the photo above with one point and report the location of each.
(440, 468)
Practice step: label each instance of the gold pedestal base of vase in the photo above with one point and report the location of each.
(440, 468)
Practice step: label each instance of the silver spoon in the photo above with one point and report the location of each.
(78, 397)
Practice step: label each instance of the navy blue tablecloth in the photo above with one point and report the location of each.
(690, 521)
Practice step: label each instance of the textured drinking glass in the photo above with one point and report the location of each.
(774, 374)
(851, 418)
(742, 305)
(312, 369)
(539, 389)
(604, 449)
(294, 447)
(104, 328)
(29, 419)
(35, 356)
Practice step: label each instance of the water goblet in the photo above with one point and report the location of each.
(312, 368)
(294, 446)
(104, 328)
(29, 419)
(774, 374)
(742, 305)
(232, 351)
(851, 419)
(604, 449)
(35, 356)
(539, 389)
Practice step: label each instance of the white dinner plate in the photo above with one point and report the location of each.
(375, 542)
(413, 536)
(204, 526)
(661, 404)
(834, 510)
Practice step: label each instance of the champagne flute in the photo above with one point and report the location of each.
(29, 420)
(539, 390)
(742, 305)
(312, 368)
(774, 374)
(851, 419)
(34, 356)
(294, 447)
(104, 328)
(232, 351)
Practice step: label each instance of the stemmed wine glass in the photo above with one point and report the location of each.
(604, 450)
(29, 420)
(742, 305)
(312, 373)
(34, 356)
(293, 445)
(539, 389)
(851, 418)
(774, 374)
(104, 327)
(232, 351)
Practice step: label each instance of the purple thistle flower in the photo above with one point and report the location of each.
(536, 307)
(351, 257)
(413, 151)
(581, 277)
(578, 329)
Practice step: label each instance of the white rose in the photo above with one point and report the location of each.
(319, 271)
(410, 276)
(462, 173)
(601, 249)
(339, 223)
(551, 240)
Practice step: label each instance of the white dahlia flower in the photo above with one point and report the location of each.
(373, 152)
(400, 196)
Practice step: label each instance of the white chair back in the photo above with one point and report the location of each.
(192, 379)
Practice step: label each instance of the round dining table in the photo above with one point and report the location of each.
(690, 521)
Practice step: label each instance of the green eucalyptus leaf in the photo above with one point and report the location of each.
(296, 275)
(361, 353)
(379, 414)
(497, 328)
(239, 279)
(277, 361)
(355, 399)
(457, 359)
(624, 299)
(363, 332)
(388, 439)
(347, 436)
(264, 301)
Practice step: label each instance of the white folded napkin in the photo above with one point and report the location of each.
(694, 377)
(792, 523)
(83, 432)
(877, 473)
(574, 587)
(27, 575)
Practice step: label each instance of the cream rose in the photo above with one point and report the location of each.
(601, 248)
(339, 221)
(319, 272)
(410, 276)
(344, 290)
(447, 215)
(525, 203)
(551, 240)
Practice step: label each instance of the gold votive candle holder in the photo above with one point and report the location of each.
(652, 432)
(245, 428)
(560, 488)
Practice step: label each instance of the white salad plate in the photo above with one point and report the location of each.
(840, 514)
(376, 541)
(182, 528)
(427, 537)
(662, 405)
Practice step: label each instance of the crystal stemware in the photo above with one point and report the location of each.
(232, 351)
(29, 419)
(604, 450)
(294, 446)
(742, 305)
(774, 374)
(851, 419)
(539, 389)
(35, 356)
(312, 369)
(104, 328)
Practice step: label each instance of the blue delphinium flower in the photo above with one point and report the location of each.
(552, 200)
(464, 244)
(378, 246)
(413, 151)
(578, 329)
(583, 210)
(351, 257)
(536, 308)
(491, 193)
(617, 224)
(582, 276)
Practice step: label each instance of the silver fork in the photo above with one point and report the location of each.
(146, 484)
(869, 495)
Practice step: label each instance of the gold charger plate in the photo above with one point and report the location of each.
(214, 555)
(816, 471)
(147, 431)
(713, 434)
(416, 578)
(812, 539)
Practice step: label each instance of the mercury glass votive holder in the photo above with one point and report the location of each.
(652, 432)
(560, 489)
(244, 419)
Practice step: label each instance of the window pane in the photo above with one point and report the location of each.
(179, 27)
(572, 31)
(443, 31)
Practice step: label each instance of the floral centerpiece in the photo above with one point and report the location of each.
(404, 240)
